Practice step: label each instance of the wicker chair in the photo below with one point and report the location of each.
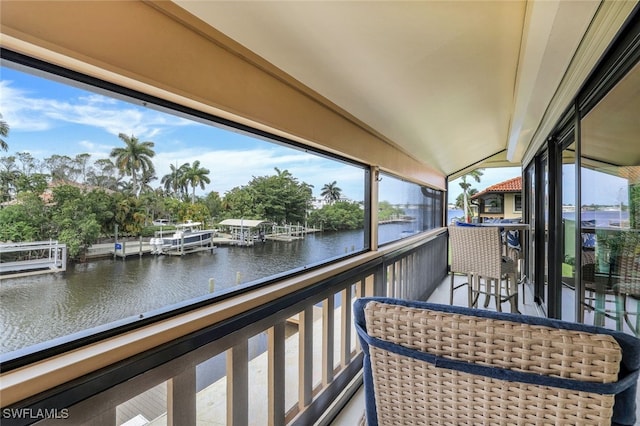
(627, 285)
(460, 264)
(477, 252)
(600, 299)
(429, 364)
(607, 295)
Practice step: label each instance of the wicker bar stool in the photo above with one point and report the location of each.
(461, 264)
(477, 251)
(428, 364)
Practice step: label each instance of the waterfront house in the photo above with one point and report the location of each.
(420, 92)
(500, 201)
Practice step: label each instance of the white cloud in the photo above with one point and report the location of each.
(229, 169)
(20, 111)
(96, 150)
(26, 112)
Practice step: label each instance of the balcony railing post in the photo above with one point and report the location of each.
(181, 399)
(378, 282)
(238, 384)
(305, 360)
(276, 372)
(345, 327)
(328, 333)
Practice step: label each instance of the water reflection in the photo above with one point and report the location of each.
(40, 308)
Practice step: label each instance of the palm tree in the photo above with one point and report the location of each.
(475, 174)
(145, 180)
(194, 176)
(331, 192)
(173, 182)
(4, 132)
(133, 158)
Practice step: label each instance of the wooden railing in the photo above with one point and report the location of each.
(278, 354)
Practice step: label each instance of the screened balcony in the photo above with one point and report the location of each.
(421, 92)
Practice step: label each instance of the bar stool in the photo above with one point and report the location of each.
(478, 253)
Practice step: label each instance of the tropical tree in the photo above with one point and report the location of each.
(342, 215)
(4, 132)
(130, 214)
(34, 182)
(74, 220)
(103, 174)
(197, 212)
(238, 202)
(134, 158)
(27, 220)
(62, 168)
(387, 211)
(174, 181)
(145, 181)
(126, 187)
(279, 198)
(459, 204)
(213, 203)
(196, 176)
(29, 163)
(466, 186)
(331, 192)
(82, 162)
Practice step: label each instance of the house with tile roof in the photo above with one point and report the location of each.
(500, 201)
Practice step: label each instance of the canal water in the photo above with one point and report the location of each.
(40, 308)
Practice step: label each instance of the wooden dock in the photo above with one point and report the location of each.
(190, 250)
(125, 249)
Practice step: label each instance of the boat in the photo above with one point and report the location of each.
(187, 237)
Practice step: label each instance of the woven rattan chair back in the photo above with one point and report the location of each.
(437, 364)
(476, 249)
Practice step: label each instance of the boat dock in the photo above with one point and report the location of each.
(32, 258)
(245, 232)
(141, 248)
(287, 233)
(126, 249)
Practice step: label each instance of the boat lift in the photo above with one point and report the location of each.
(35, 257)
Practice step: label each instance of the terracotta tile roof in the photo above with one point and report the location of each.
(511, 185)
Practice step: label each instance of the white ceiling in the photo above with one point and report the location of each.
(449, 82)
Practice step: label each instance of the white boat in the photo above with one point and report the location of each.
(187, 237)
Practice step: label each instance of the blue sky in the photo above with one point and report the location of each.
(47, 117)
(600, 188)
(489, 177)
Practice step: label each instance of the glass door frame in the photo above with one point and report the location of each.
(617, 61)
